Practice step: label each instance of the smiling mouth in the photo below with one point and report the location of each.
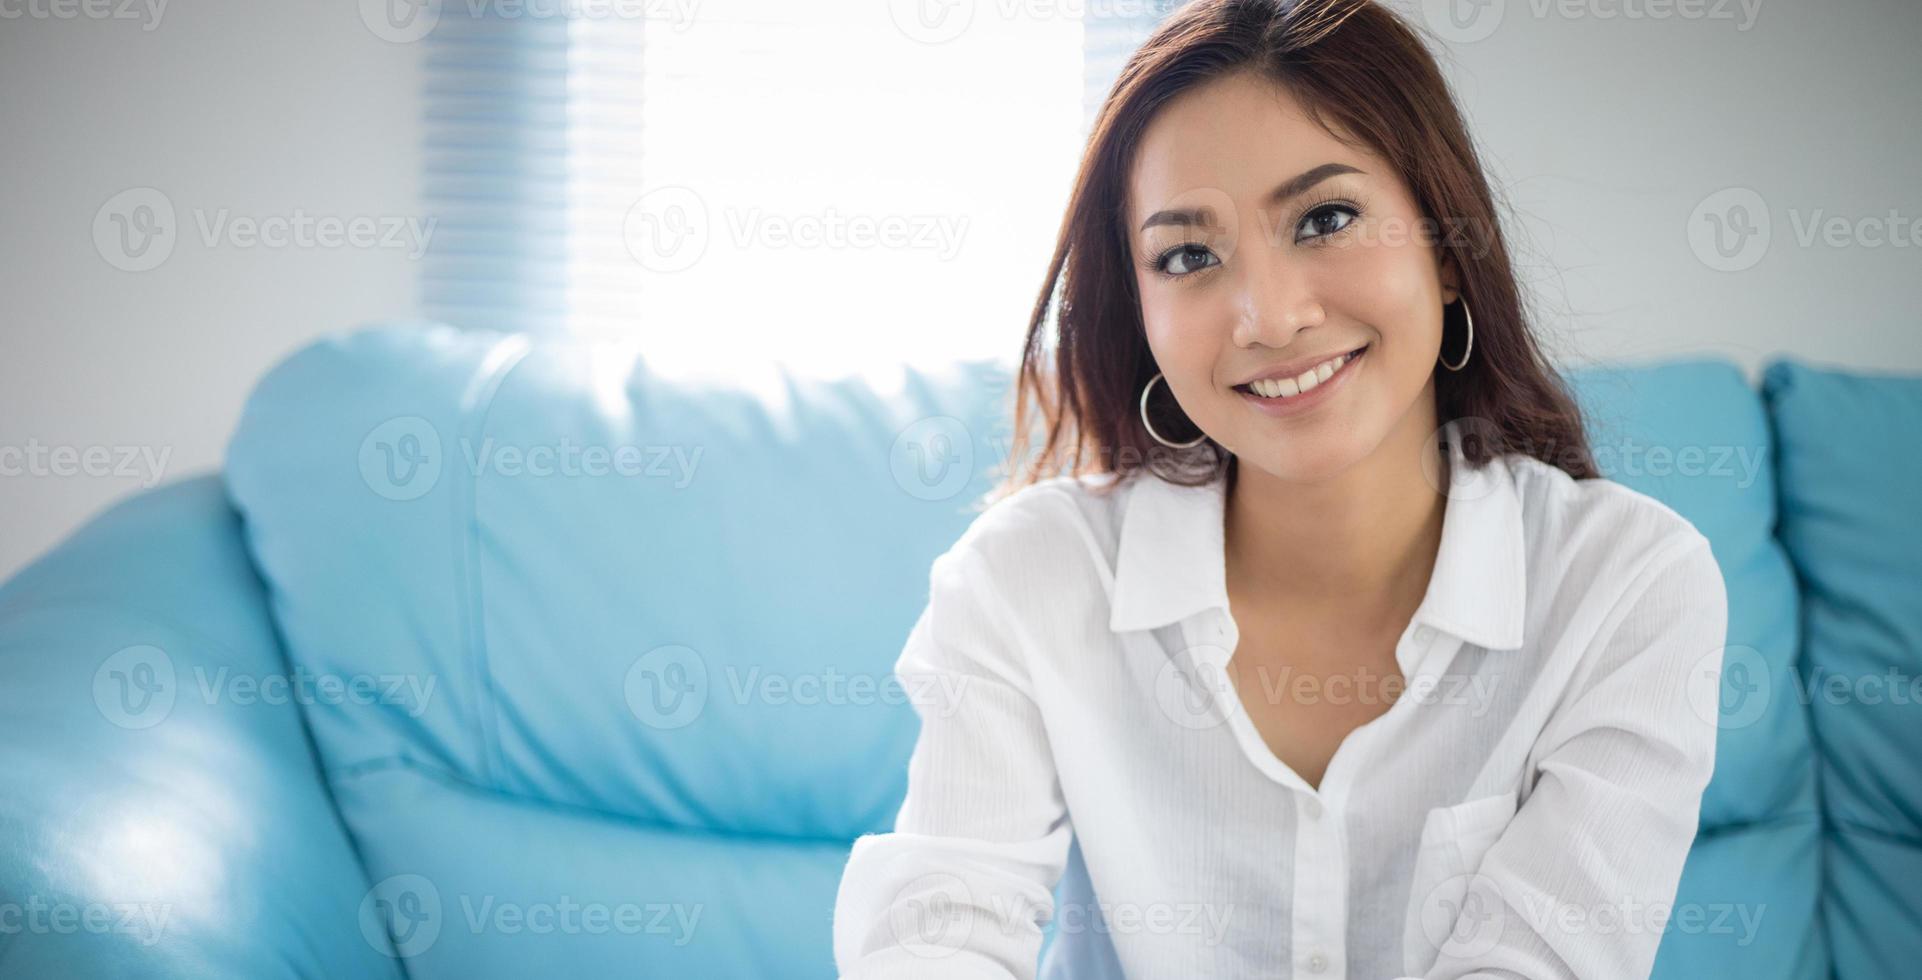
(1282, 389)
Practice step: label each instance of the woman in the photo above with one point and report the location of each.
(1330, 654)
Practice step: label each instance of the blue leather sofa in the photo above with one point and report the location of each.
(491, 656)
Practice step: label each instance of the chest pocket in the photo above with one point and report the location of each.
(1441, 912)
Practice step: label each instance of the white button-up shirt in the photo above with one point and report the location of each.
(1522, 809)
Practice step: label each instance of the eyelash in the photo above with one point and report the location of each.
(1329, 205)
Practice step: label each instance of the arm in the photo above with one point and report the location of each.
(965, 881)
(1580, 883)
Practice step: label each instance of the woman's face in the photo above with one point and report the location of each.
(1236, 282)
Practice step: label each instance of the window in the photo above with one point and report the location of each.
(828, 185)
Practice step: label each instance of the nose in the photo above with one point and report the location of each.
(1277, 299)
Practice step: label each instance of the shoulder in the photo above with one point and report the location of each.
(1033, 561)
(1597, 531)
(1042, 519)
(1043, 548)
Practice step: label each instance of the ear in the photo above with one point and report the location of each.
(1451, 281)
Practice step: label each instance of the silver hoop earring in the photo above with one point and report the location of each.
(1471, 340)
(1156, 436)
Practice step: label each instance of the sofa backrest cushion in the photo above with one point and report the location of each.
(571, 580)
(1850, 448)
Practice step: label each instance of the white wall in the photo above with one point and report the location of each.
(1611, 125)
(260, 108)
(1608, 132)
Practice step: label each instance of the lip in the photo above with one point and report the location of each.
(1295, 367)
(1307, 402)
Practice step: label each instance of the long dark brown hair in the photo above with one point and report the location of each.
(1352, 62)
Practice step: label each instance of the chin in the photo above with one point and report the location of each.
(1310, 455)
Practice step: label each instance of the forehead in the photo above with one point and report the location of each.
(1240, 134)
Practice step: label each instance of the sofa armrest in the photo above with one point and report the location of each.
(161, 810)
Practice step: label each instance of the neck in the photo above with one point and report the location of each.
(1362, 542)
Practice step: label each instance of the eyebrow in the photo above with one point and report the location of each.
(1292, 187)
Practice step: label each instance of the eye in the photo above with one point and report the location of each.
(1185, 259)
(1326, 220)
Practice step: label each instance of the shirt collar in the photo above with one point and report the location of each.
(1172, 559)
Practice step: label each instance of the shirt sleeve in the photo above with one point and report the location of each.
(1581, 881)
(964, 883)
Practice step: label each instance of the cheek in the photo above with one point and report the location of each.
(1396, 291)
(1179, 324)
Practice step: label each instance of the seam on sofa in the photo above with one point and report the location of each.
(1859, 829)
(1767, 823)
(387, 764)
(1775, 382)
(476, 402)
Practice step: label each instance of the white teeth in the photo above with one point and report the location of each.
(1305, 381)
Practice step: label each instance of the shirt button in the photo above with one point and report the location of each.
(1424, 634)
(1317, 963)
